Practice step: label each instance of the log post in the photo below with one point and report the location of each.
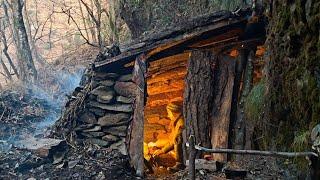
(198, 97)
(225, 72)
(192, 158)
(137, 124)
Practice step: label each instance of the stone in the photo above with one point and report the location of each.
(43, 147)
(94, 84)
(125, 100)
(97, 111)
(110, 138)
(127, 89)
(88, 117)
(100, 90)
(104, 76)
(125, 78)
(98, 142)
(83, 127)
(92, 97)
(204, 164)
(120, 146)
(117, 130)
(107, 83)
(106, 97)
(113, 119)
(94, 129)
(94, 134)
(113, 107)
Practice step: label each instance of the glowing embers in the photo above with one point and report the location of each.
(163, 111)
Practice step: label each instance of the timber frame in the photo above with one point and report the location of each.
(208, 40)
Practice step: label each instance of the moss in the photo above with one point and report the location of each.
(293, 90)
(254, 103)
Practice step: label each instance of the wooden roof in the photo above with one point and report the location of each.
(218, 30)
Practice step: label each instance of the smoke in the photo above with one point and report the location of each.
(56, 95)
(49, 95)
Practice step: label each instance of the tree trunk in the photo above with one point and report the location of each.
(6, 71)
(137, 15)
(5, 24)
(198, 97)
(28, 71)
(224, 80)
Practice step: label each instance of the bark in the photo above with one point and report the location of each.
(137, 124)
(198, 97)
(28, 70)
(6, 71)
(136, 16)
(4, 25)
(5, 51)
(224, 80)
(32, 41)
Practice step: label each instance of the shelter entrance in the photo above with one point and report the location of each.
(163, 111)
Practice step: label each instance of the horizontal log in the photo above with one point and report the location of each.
(165, 98)
(168, 75)
(168, 62)
(256, 152)
(165, 87)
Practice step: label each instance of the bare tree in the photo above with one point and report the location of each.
(28, 72)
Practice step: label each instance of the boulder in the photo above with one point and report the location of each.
(127, 89)
(88, 118)
(98, 142)
(113, 107)
(110, 138)
(107, 83)
(125, 78)
(97, 111)
(125, 100)
(113, 119)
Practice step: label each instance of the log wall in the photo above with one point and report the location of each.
(165, 82)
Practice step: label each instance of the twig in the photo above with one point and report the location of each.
(5, 108)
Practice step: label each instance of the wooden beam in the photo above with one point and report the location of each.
(136, 127)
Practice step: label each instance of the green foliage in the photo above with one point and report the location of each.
(254, 103)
